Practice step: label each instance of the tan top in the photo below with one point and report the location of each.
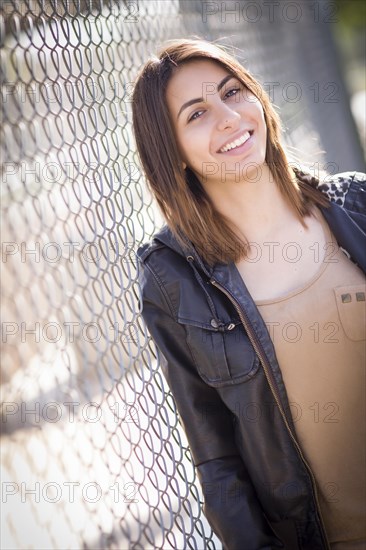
(318, 332)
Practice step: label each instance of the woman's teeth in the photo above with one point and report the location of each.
(235, 143)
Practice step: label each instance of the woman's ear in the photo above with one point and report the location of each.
(184, 165)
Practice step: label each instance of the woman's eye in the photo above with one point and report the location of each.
(231, 92)
(195, 115)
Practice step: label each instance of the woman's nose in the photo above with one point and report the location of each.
(227, 118)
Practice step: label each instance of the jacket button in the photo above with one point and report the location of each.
(214, 323)
(190, 258)
(231, 326)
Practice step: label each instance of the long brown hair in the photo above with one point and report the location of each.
(188, 210)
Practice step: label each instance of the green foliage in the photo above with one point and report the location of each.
(351, 14)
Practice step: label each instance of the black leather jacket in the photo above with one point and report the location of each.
(219, 361)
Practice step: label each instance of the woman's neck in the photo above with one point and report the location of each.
(257, 208)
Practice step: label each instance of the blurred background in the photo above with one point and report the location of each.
(92, 451)
(349, 32)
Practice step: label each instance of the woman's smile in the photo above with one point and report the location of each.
(236, 146)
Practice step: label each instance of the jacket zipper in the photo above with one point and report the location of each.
(273, 385)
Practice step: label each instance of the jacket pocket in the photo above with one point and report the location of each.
(222, 351)
(351, 305)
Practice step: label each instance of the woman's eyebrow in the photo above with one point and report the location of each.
(200, 99)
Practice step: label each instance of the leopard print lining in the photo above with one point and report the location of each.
(335, 187)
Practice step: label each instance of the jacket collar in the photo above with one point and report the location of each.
(166, 237)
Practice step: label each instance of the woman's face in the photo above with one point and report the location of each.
(219, 125)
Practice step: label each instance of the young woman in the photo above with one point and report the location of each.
(254, 293)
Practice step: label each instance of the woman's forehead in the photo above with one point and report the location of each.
(200, 69)
(194, 78)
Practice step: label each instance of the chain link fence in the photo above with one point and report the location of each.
(92, 452)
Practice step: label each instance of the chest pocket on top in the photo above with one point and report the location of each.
(351, 305)
(222, 352)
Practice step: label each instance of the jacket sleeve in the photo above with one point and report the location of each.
(231, 505)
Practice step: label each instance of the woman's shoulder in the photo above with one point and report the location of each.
(162, 262)
(162, 241)
(164, 273)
